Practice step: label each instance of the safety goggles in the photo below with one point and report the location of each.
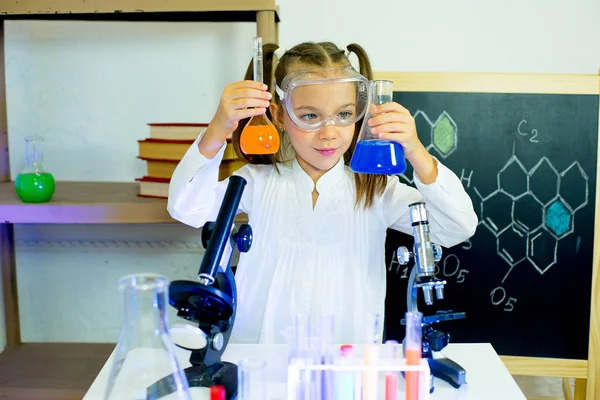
(317, 98)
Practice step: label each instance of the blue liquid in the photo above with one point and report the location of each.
(378, 157)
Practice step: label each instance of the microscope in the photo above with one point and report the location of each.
(212, 301)
(422, 276)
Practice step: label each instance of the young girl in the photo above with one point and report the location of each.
(319, 228)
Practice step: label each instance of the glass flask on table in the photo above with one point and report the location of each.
(259, 136)
(373, 155)
(145, 353)
(34, 183)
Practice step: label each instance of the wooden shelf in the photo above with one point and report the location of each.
(51, 371)
(96, 203)
(87, 203)
(178, 10)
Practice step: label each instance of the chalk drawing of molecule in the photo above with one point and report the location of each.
(443, 133)
(441, 136)
(531, 212)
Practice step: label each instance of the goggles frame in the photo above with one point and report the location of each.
(323, 76)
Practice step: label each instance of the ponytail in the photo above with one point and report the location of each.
(368, 186)
(363, 60)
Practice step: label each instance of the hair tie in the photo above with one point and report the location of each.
(279, 53)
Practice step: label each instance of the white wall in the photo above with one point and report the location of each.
(90, 88)
(68, 275)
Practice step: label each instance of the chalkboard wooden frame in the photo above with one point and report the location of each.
(585, 372)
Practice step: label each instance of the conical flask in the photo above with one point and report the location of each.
(34, 184)
(259, 136)
(145, 353)
(373, 155)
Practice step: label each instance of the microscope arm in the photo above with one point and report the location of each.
(219, 243)
(412, 292)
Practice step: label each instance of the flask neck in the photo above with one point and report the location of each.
(382, 92)
(34, 154)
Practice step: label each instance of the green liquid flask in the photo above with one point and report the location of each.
(35, 184)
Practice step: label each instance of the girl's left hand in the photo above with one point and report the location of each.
(393, 122)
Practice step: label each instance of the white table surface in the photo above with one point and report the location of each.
(487, 377)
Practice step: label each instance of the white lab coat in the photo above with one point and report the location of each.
(326, 260)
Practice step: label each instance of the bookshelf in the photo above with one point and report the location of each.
(97, 202)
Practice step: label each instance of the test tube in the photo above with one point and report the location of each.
(300, 353)
(391, 377)
(371, 357)
(344, 382)
(299, 347)
(327, 334)
(251, 379)
(412, 352)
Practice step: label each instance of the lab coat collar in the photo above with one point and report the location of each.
(325, 182)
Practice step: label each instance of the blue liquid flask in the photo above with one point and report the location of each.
(373, 155)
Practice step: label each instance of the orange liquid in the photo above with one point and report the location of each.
(259, 139)
(413, 357)
(370, 377)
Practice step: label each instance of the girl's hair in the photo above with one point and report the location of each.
(324, 54)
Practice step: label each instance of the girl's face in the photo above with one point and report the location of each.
(318, 151)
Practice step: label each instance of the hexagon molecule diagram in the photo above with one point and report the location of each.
(530, 211)
(443, 133)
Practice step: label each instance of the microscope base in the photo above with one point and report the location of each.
(224, 374)
(448, 371)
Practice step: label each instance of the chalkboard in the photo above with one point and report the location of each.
(529, 163)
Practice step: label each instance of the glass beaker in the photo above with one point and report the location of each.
(373, 155)
(259, 136)
(145, 353)
(34, 184)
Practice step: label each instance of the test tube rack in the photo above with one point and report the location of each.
(309, 380)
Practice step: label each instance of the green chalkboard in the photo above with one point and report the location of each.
(529, 163)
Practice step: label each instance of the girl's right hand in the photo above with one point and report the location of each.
(239, 100)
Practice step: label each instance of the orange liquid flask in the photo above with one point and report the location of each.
(259, 139)
(259, 136)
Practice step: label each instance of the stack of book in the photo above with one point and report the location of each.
(163, 150)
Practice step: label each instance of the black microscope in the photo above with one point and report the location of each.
(426, 254)
(212, 301)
